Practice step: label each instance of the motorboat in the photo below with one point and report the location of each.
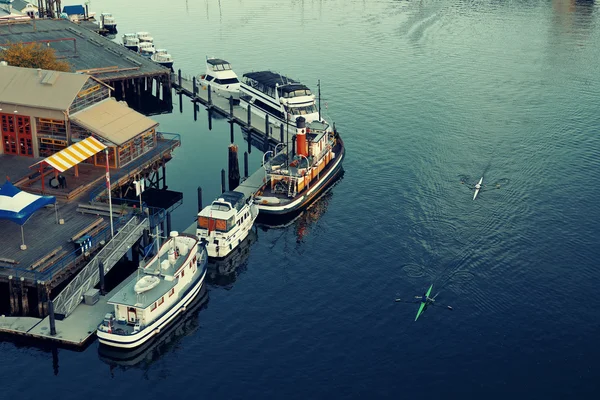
(221, 79)
(225, 223)
(281, 98)
(131, 41)
(294, 179)
(162, 57)
(108, 22)
(146, 49)
(156, 294)
(145, 37)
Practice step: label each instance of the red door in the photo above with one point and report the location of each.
(24, 135)
(9, 133)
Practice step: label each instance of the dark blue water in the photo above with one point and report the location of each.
(424, 94)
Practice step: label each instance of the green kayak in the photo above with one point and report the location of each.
(423, 303)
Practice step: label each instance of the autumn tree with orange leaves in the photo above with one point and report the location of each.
(32, 55)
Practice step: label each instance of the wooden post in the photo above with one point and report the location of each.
(41, 292)
(231, 107)
(195, 88)
(245, 164)
(199, 199)
(164, 174)
(231, 131)
(234, 167)
(51, 319)
(24, 298)
(281, 133)
(222, 181)
(209, 96)
(14, 305)
(122, 89)
(249, 116)
(101, 275)
(179, 78)
(249, 141)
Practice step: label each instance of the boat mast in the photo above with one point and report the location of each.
(319, 89)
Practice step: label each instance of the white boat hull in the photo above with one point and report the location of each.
(141, 337)
(477, 189)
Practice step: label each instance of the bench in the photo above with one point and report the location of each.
(8, 260)
(87, 229)
(45, 258)
(53, 261)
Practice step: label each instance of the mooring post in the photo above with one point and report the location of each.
(281, 133)
(293, 145)
(249, 142)
(101, 275)
(40, 298)
(196, 111)
(195, 88)
(231, 131)
(249, 116)
(231, 107)
(199, 199)
(179, 78)
(164, 173)
(234, 167)
(51, 317)
(209, 119)
(168, 222)
(209, 96)
(180, 103)
(24, 298)
(245, 164)
(222, 181)
(11, 294)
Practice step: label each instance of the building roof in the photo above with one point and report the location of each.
(84, 49)
(39, 88)
(113, 120)
(74, 10)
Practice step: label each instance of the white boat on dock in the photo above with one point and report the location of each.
(145, 37)
(148, 303)
(147, 49)
(281, 98)
(131, 41)
(225, 223)
(107, 21)
(162, 57)
(221, 78)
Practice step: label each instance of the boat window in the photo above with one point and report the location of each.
(271, 110)
(182, 273)
(296, 93)
(172, 292)
(227, 81)
(220, 207)
(303, 110)
(153, 307)
(162, 300)
(209, 78)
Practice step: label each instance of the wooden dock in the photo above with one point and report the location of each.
(253, 124)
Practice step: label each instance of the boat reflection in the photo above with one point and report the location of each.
(145, 355)
(303, 220)
(224, 272)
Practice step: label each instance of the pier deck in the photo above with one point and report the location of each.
(257, 126)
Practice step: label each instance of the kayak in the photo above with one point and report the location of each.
(423, 304)
(477, 189)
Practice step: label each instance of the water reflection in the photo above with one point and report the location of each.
(224, 272)
(147, 354)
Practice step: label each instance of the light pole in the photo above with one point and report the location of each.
(264, 163)
(112, 232)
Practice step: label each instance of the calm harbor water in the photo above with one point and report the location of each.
(425, 93)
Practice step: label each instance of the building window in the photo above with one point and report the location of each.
(92, 92)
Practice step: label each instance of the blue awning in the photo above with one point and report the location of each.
(17, 206)
(74, 10)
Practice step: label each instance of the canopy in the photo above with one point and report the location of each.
(17, 206)
(75, 153)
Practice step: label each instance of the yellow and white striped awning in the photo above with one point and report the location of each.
(75, 153)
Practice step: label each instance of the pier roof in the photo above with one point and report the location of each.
(113, 120)
(83, 49)
(39, 88)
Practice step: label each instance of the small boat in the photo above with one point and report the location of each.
(143, 307)
(225, 223)
(131, 41)
(144, 37)
(293, 181)
(221, 78)
(146, 283)
(162, 57)
(423, 303)
(477, 188)
(107, 21)
(147, 49)
(281, 98)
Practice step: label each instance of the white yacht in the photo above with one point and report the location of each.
(162, 57)
(281, 98)
(131, 41)
(224, 224)
(145, 37)
(221, 78)
(156, 294)
(146, 49)
(108, 22)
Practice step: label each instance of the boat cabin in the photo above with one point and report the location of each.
(216, 64)
(220, 216)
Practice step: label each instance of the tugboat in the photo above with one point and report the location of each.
(131, 41)
(224, 224)
(291, 185)
(221, 78)
(156, 294)
(162, 57)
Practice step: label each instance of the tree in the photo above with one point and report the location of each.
(32, 55)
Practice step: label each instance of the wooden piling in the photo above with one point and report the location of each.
(245, 164)
(101, 275)
(281, 133)
(231, 107)
(234, 167)
(24, 298)
(199, 199)
(209, 96)
(51, 317)
(249, 116)
(222, 181)
(231, 131)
